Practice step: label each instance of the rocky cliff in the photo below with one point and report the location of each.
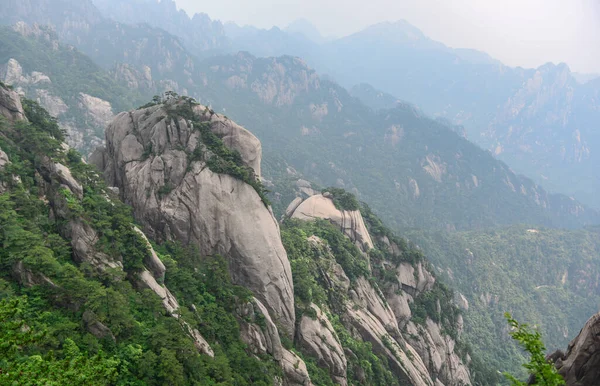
(170, 163)
(380, 311)
(161, 164)
(580, 364)
(10, 105)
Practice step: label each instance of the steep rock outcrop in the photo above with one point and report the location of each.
(414, 280)
(3, 162)
(403, 360)
(262, 337)
(294, 370)
(152, 261)
(28, 278)
(437, 351)
(417, 354)
(10, 105)
(178, 198)
(260, 333)
(97, 110)
(580, 365)
(318, 338)
(350, 222)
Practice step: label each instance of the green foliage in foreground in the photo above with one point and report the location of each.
(543, 373)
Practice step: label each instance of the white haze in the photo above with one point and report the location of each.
(524, 33)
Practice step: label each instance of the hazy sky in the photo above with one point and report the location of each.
(517, 32)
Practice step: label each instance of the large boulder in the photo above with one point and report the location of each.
(175, 197)
(349, 221)
(294, 370)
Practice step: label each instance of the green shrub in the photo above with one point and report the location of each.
(543, 372)
(342, 200)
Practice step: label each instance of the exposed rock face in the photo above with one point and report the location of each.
(28, 278)
(134, 79)
(66, 108)
(168, 300)
(418, 355)
(437, 350)
(263, 338)
(12, 73)
(580, 365)
(98, 110)
(199, 341)
(175, 198)
(283, 81)
(235, 137)
(66, 178)
(3, 159)
(350, 222)
(462, 302)
(53, 104)
(83, 239)
(294, 370)
(414, 280)
(10, 105)
(372, 330)
(293, 206)
(3, 162)
(57, 182)
(317, 337)
(152, 262)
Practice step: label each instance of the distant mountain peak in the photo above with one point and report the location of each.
(307, 29)
(399, 32)
(400, 26)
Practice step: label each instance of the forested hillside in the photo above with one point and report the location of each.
(547, 277)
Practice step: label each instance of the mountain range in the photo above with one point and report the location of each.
(542, 121)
